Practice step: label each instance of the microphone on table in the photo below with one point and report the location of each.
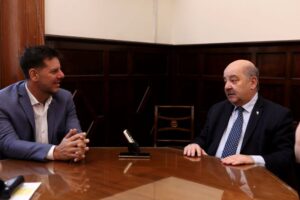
(7, 187)
(133, 148)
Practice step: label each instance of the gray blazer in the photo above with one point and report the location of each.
(17, 125)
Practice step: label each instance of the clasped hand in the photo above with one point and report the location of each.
(72, 147)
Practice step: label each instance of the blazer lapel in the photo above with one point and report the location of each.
(255, 116)
(26, 105)
(224, 118)
(51, 120)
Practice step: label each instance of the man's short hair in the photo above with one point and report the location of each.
(33, 57)
(252, 71)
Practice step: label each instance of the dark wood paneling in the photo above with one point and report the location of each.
(213, 92)
(150, 62)
(188, 62)
(296, 65)
(187, 88)
(273, 91)
(114, 75)
(118, 95)
(78, 62)
(216, 63)
(91, 88)
(272, 64)
(118, 62)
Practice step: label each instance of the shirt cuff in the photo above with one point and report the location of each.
(50, 153)
(259, 160)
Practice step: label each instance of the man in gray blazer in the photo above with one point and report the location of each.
(38, 120)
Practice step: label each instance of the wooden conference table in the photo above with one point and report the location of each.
(166, 175)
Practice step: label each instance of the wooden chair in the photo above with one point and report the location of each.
(173, 124)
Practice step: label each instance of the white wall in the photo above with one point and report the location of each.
(164, 24)
(130, 20)
(219, 21)
(175, 21)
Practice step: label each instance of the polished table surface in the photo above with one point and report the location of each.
(166, 175)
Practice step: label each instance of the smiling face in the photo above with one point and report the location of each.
(240, 84)
(48, 77)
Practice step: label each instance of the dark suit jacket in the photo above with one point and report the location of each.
(17, 125)
(269, 133)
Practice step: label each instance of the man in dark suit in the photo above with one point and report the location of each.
(38, 119)
(263, 129)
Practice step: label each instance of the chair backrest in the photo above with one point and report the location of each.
(173, 124)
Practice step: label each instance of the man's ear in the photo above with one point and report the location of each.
(33, 74)
(254, 82)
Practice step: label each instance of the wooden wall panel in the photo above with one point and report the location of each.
(118, 96)
(188, 63)
(215, 63)
(273, 92)
(78, 62)
(147, 62)
(272, 64)
(114, 75)
(118, 62)
(296, 65)
(139, 87)
(118, 110)
(91, 97)
(187, 88)
(213, 92)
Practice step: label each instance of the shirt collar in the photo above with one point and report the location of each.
(249, 106)
(33, 100)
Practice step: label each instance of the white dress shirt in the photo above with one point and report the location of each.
(41, 123)
(248, 107)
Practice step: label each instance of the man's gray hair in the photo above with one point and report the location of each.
(252, 71)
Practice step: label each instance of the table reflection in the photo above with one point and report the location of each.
(57, 177)
(166, 175)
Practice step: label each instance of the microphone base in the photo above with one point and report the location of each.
(9, 186)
